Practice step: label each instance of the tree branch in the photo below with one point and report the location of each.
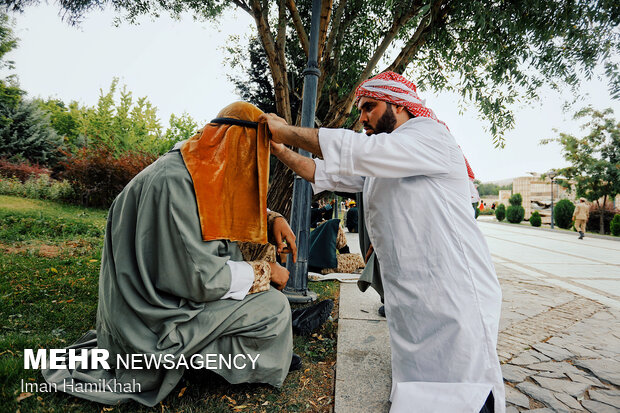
(242, 6)
(299, 27)
(435, 15)
(339, 111)
(326, 14)
(277, 65)
(337, 28)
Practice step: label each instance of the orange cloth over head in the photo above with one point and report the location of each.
(229, 165)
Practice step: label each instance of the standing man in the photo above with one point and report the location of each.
(442, 297)
(580, 216)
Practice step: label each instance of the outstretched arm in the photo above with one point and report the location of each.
(281, 132)
(303, 166)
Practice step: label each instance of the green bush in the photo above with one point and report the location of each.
(563, 213)
(500, 212)
(37, 187)
(535, 219)
(594, 219)
(515, 214)
(615, 225)
(515, 200)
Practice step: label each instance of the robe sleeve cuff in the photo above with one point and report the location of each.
(262, 276)
(271, 218)
(241, 280)
(337, 148)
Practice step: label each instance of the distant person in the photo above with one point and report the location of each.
(316, 215)
(328, 211)
(493, 206)
(352, 217)
(481, 206)
(580, 215)
(324, 241)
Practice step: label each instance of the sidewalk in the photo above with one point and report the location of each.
(560, 351)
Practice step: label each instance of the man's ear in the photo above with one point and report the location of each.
(401, 109)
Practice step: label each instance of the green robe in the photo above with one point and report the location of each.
(159, 293)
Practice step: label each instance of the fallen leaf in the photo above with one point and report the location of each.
(92, 261)
(265, 404)
(54, 270)
(240, 407)
(23, 396)
(107, 409)
(69, 301)
(182, 392)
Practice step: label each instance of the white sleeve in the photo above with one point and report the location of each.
(326, 182)
(241, 280)
(418, 147)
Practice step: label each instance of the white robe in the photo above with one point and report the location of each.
(442, 296)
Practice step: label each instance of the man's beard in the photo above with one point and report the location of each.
(386, 122)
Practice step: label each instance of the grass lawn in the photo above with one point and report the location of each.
(49, 269)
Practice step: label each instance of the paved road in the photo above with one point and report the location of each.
(559, 341)
(589, 267)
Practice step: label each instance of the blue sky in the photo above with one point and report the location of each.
(179, 66)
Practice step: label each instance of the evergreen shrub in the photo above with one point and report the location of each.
(615, 225)
(563, 213)
(515, 200)
(500, 212)
(535, 219)
(515, 212)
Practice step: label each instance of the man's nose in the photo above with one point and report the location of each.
(363, 117)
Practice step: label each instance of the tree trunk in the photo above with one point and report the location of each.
(280, 194)
(602, 217)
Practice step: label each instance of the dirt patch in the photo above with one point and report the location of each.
(43, 249)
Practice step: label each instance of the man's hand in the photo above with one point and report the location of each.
(281, 232)
(275, 124)
(279, 275)
(277, 149)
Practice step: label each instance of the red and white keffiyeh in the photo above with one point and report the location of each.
(394, 88)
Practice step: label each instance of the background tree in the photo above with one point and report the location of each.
(25, 130)
(492, 53)
(29, 135)
(594, 158)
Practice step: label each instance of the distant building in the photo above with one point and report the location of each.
(536, 193)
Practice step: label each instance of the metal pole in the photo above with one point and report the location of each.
(551, 202)
(297, 287)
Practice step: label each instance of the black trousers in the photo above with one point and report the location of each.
(489, 405)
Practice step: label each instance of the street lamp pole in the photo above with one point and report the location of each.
(551, 176)
(296, 289)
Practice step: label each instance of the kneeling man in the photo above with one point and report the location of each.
(174, 280)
